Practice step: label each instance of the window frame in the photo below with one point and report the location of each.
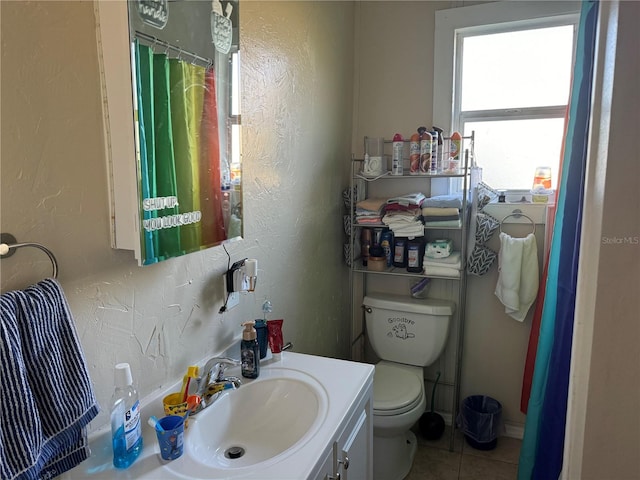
(496, 17)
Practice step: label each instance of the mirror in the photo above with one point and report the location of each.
(185, 66)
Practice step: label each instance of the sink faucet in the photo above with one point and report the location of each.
(214, 381)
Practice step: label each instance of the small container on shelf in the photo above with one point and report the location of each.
(377, 264)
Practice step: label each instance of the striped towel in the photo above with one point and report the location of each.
(46, 400)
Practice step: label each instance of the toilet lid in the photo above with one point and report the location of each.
(395, 389)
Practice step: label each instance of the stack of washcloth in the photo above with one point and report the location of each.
(443, 267)
(369, 211)
(442, 211)
(403, 215)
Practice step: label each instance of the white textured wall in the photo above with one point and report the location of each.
(297, 73)
(612, 370)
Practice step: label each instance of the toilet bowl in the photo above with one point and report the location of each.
(407, 334)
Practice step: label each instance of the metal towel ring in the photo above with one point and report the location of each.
(8, 244)
(517, 213)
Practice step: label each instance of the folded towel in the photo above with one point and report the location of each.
(372, 204)
(452, 261)
(46, 400)
(368, 220)
(409, 199)
(400, 219)
(444, 201)
(436, 218)
(517, 285)
(435, 271)
(439, 211)
(409, 231)
(444, 224)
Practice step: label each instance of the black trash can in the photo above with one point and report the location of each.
(480, 420)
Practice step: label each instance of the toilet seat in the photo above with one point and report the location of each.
(396, 390)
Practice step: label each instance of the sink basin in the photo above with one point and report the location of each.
(259, 423)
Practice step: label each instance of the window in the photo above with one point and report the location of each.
(508, 76)
(234, 119)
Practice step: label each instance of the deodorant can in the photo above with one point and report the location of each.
(386, 242)
(396, 165)
(433, 166)
(426, 147)
(414, 154)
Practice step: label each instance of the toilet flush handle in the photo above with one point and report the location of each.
(367, 309)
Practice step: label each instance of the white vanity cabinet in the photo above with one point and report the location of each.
(349, 457)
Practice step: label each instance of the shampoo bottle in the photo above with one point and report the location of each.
(126, 429)
(250, 351)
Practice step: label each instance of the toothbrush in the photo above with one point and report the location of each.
(155, 423)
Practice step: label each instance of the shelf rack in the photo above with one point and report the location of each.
(464, 174)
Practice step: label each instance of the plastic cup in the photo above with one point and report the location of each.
(171, 440)
(174, 405)
(542, 178)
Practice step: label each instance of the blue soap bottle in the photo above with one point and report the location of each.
(250, 351)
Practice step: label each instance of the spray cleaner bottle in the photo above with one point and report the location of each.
(396, 164)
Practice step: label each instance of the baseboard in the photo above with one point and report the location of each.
(512, 430)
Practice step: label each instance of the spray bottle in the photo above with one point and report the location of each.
(453, 161)
(414, 154)
(426, 147)
(396, 165)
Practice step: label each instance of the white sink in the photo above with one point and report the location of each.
(260, 423)
(284, 420)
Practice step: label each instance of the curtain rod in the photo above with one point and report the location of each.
(167, 46)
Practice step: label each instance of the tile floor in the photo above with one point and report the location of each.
(434, 461)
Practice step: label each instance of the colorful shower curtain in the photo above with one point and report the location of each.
(187, 95)
(210, 195)
(144, 94)
(542, 447)
(179, 157)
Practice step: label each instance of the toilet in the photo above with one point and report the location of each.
(407, 334)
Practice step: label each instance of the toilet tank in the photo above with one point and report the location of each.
(407, 330)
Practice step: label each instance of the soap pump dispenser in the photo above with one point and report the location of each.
(250, 351)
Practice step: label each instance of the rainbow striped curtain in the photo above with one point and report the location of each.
(179, 156)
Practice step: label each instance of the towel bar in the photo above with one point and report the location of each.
(517, 213)
(8, 242)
